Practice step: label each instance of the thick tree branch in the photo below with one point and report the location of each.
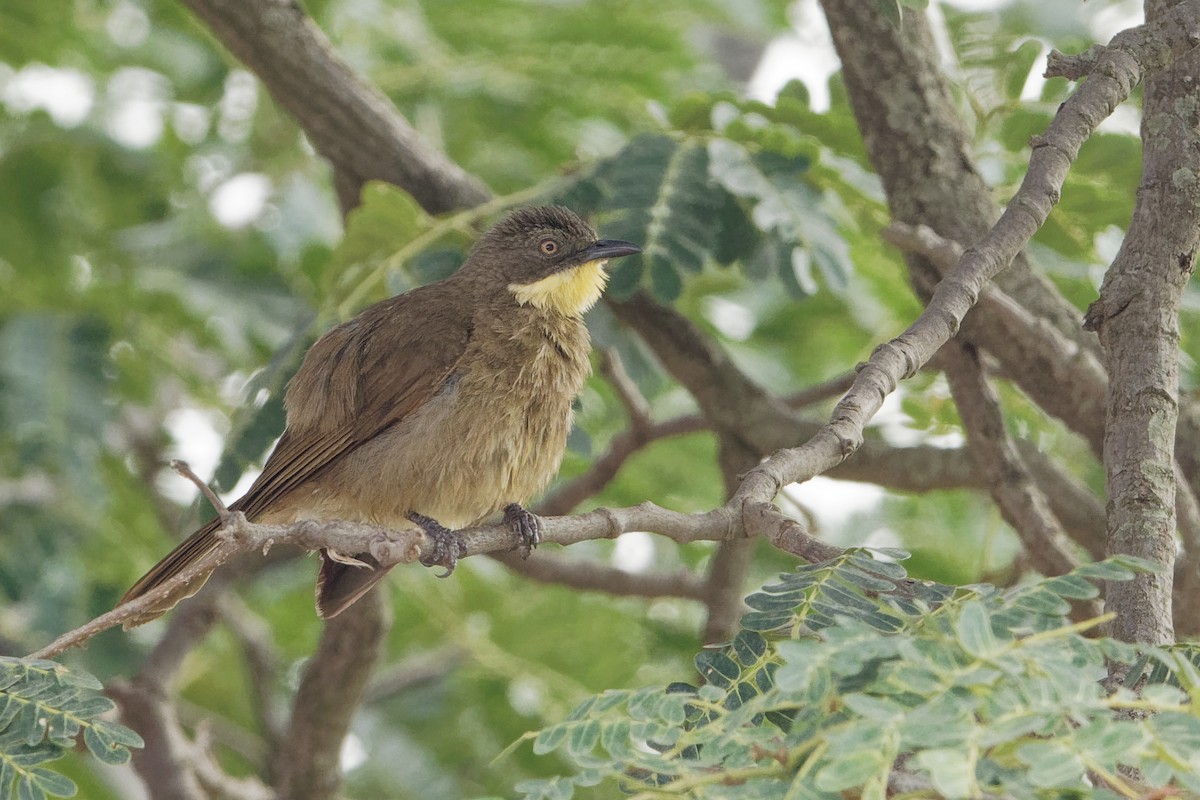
(349, 121)
(306, 766)
(1137, 319)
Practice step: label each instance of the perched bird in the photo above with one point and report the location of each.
(436, 408)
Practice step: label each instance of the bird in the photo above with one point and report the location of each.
(438, 408)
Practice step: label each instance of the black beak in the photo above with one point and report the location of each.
(606, 248)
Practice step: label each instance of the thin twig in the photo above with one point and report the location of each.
(627, 392)
(186, 471)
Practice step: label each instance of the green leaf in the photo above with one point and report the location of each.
(749, 647)
(851, 769)
(717, 668)
(866, 580)
(1051, 764)
(583, 738)
(110, 742)
(550, 739)
(1072, 586)
(880, 709)
(665, 282)
(952, 771)
(40, 782)
(973, 628)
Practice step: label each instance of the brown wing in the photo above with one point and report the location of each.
(356, 381)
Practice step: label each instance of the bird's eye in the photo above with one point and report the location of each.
(548, 247)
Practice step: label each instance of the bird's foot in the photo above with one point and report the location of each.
(448, 546)
(527, 526)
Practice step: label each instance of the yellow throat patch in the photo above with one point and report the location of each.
(570, 292)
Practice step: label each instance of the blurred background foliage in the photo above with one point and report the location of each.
(169, 244)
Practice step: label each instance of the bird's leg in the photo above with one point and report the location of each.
(527, 526)
(448, 546)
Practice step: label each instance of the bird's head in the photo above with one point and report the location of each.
(549, 258)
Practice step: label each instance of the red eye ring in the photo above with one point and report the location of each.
(548, 247)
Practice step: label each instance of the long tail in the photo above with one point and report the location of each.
(193, 548)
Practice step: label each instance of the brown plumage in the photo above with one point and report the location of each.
(451, 402)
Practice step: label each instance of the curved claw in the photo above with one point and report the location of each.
(448, 546)
(527, 526)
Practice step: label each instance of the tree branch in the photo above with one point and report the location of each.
(1183, 21)
(306, 767)
(349, 121)
(392, 547)
(1010, 483)
(1137, 319)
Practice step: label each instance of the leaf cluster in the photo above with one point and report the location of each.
(736, 183)
(45, 709)
(847, 673)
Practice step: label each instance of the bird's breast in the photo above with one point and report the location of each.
(493, 434)
(513, 405)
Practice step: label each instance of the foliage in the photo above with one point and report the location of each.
(848, 670)
(45, 710)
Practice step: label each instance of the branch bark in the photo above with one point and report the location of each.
(1137, 318)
